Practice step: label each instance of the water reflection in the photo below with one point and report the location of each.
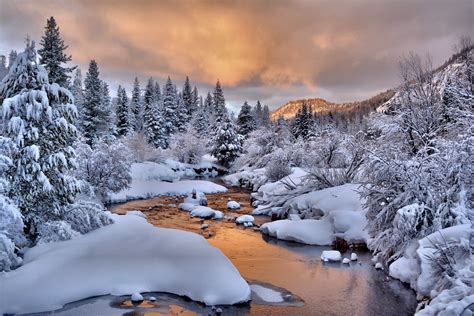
(325, 288)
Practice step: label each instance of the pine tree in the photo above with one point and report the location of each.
(152, 120)
(157, 95)
(226, 143)
(170, 106)
(106, 115)
(11, 58)
(266, 116)
(136, 107)
(220, 110)
(43, 132)
(78, 93)
(209, 104)
(123, 114)
(258, 114)
(303, 124)
(94, 114)
(53, 54)
(195, 98)
(245, 121)
(188, 98)
(201, 123)
(182, 116)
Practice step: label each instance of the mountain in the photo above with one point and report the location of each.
(321, 107)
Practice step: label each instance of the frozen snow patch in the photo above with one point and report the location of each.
(266, 294)
(331, 255)
(233, 205)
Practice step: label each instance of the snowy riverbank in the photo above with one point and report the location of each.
(151, 179)
(129, 256)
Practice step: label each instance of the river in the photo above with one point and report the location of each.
(311, 286)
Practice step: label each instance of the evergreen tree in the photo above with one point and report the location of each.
(226, 143)
(182, 116)
(39, 119)
(220, 111)
(106, 126)
(201, 123)
(169, 110)
(78, 93)
(152, 119)
(136, 107)
(157, 93)
(195, 98)
(11, 58)
(188, 98)
(53, 54)
(245, 121)
(266, 116)
(258, 114)
(123, 114)
(303, 123)
(94, 113)
(209, 104)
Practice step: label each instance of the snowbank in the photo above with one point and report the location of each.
(424, 267)
(129, 256)
(143, 189)
(342, 215)
(202, 211)
(233, 205)
(153, 171)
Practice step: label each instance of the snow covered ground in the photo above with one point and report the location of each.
(151, 179)
(129, 256)
(341, 211)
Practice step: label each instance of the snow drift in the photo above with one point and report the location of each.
(129, 256)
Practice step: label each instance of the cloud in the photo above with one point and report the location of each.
(273, 50)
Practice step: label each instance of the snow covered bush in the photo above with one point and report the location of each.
(419, 172)
(106, 167)
(8, 258)
(141, 150)
(55, 231)
(187, 147)
(279, 166)
(84, 216)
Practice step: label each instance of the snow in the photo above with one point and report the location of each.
(354, 256)
(245, 219)
(136, 297)
(188, 207)
(331, 255)
(129, 256)
(346, 260)
(233, 205)
(143, 189)
(342, 216)
(294, 217)
(204, 226)
(218, 215)
(307, 231)
(428, 276)
(153, 171)
(266, 294)
(202, 211)
(378, 266)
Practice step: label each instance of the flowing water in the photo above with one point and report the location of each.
(310, 287)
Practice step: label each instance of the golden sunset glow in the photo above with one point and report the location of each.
(269, 50)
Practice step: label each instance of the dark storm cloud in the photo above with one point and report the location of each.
(269, 50)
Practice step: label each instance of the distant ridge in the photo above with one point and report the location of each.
(321, 107)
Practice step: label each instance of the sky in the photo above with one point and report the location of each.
(268, 50)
